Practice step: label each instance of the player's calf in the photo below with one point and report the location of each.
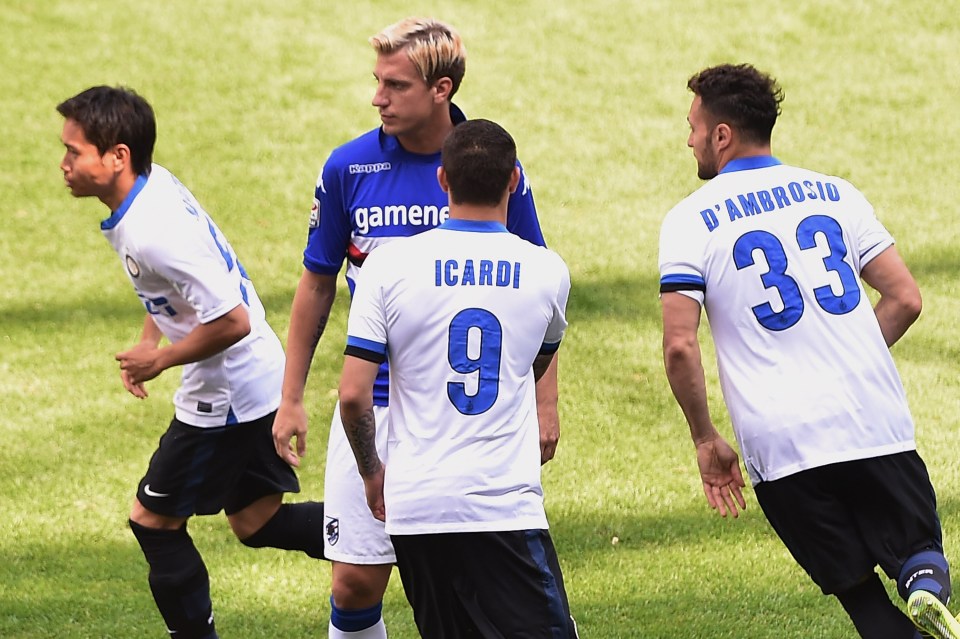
(179, 581)
(293, 527)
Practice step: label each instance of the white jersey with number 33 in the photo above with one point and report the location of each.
(774, 254)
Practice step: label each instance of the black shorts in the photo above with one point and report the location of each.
(840, 521)
(205, 470)
(484, 585)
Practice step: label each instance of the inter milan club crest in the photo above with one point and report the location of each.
(333, 530)
(132, 267)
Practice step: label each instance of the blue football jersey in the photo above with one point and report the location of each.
(371, 191)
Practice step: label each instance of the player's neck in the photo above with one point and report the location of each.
(479, 213)
(743, 151)
(119, 190)
(428, 138)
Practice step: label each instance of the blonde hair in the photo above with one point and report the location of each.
(434, 48)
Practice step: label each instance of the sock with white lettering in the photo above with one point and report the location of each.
(926, 570)
(357, 624)
(179, 581)
(293, 527)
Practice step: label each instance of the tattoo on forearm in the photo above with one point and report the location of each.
(362, 434)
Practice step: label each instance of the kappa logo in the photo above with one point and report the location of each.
(369, 168)
(332, 530)
(153, 493)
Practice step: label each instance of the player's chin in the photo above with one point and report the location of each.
(390, 126)
(77, 190)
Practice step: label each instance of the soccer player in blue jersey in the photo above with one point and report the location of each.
(469, 316)
(775, 254)
(217, 453)
(378, 187)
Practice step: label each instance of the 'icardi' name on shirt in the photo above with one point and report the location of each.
(765, 201)
(480, 273)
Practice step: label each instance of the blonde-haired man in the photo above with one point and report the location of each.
(373, 189)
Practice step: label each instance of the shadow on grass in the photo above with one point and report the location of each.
(99, 589)
(621, 298)
(676, 574)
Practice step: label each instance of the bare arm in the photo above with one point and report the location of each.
(545, 372)
(900, 303)
(309, 312)
(151, 335)
(146, 360)
(359, 423)
(719, 464)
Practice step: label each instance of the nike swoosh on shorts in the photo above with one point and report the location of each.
(151, 493)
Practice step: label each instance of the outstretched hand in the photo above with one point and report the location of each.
(722, 480)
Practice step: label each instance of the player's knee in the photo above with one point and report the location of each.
(355, 586)
(926, 570)
(171, 555)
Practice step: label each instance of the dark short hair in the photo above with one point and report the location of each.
(479, 157)
(115, 115)
(741, 96)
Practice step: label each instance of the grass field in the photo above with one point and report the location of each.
(251, 96)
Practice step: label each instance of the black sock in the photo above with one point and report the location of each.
(178, 580)
(873, 614)
(293, 527)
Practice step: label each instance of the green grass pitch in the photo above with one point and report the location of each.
(250, 98)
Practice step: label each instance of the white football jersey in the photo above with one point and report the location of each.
(186, 273)
(774, 254)
(461, 312)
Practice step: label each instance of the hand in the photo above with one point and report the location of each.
(290, 422)
(549, 432)
(137, 390)
(373, 487)
(720, 471)
(139, 364)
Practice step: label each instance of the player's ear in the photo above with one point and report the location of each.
(442, 89)
(722, 136)
(118, 157)
(514, 180)
(442, 179)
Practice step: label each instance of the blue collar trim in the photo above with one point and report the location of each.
(745, 164)
(474, 226)
(117, 215)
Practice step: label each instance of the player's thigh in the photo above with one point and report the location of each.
(897, 508)
(512, 584)
(264, 476)
(497, 584)
(197, 470)
(190, 472)
(428, 566)
(351, 533)
(809, 512)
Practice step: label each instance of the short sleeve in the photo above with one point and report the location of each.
(330, 227)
